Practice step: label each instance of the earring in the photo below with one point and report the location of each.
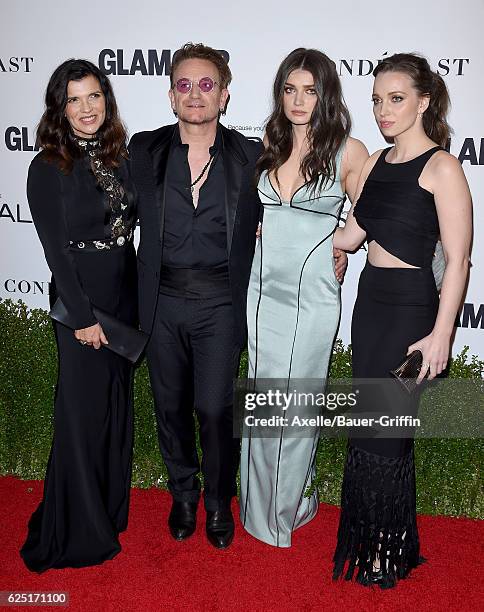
(174, 112)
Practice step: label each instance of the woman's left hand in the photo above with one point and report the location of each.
(435, 351)
(340, 264)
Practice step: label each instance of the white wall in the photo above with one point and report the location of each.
(257, 36)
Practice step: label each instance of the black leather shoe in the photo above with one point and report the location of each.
(220, 528)
(183, 519)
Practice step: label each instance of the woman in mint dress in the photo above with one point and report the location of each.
(293, 309)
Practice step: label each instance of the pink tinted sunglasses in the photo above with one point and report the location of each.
(205, 84)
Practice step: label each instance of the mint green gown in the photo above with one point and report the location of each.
(293, 312)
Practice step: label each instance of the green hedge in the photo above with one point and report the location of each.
(448, 471)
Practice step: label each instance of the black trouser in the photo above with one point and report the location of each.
(193, 359)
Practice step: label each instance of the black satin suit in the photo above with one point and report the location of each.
(195, 340)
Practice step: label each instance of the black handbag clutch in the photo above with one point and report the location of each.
(123, 339)
(408, 371)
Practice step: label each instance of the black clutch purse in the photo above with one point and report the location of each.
(408, 371)
(123, 339)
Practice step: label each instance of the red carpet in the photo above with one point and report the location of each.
(153, 572)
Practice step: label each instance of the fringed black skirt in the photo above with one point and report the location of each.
(395, 307)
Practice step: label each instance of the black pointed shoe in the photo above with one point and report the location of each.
(183, 519)
(220, 528)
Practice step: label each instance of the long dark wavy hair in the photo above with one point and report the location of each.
(329, 126)
(54, 134)
(427, 83)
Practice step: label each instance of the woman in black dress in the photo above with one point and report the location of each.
(83, 207)
(409, 194)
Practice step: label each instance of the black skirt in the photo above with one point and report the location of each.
(87, 483)
(395, 307)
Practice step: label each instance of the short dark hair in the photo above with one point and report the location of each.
(200, 51)
(54, 131)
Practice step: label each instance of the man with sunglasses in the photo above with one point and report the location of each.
(198, 211)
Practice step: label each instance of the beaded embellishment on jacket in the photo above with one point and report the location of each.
(121, 227)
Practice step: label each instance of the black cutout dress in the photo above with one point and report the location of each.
(395, 307)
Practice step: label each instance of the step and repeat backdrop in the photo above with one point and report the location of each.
(133, 43)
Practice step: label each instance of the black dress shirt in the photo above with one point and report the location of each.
(194, 237)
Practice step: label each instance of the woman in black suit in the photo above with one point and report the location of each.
(83, 207)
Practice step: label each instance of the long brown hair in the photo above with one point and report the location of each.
(329, 125)
(54, 133)
(427, 83)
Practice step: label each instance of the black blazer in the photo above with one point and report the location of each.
(149, 154)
